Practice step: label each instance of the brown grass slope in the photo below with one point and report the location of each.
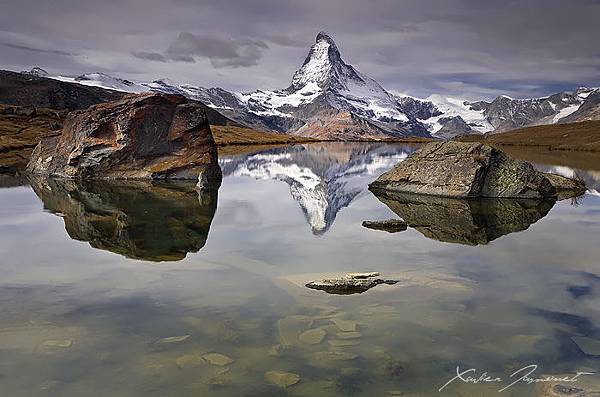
(583, 136)
(21, 130)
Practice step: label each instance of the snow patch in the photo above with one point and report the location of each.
(565, 112)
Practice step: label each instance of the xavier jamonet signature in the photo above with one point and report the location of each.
(523, 375)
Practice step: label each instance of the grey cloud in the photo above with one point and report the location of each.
(149, 56)
(33, 49)
(454, 47)
(183, 58)
(220, 51)
(286, 41)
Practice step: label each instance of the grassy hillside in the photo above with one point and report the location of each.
(20, 131)
(235, 135)
(583, 136)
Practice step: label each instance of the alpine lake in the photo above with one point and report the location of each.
(154, 289)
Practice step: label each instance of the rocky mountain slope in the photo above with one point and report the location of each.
(329, 99)
(29, 89)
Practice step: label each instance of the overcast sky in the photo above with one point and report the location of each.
(470, 48)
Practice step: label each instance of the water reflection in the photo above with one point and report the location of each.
(469, 222)
(116, 327)
(323, 178)
(136, 219)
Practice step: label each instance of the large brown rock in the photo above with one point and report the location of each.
(461, 169)
(144, 136)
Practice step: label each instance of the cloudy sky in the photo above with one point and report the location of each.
(470, 48)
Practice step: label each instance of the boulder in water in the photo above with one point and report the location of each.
(466, 169)
(141, 136)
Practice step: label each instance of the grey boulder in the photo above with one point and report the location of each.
(466, 169)
(351, 283)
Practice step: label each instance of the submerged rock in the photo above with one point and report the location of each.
(153, 221)
(189, 361)
(275, 351)
(566, 187)
(313, 336)
(348, 325)
(218, 359)
(349, 335)
(172, 339)
(290, 328)
(221, 378)
(282, 379)
(337, 343)
(349, 284)
(461, 169)
(141, 136)
(389, 225)
(461, 221)
(62, 343)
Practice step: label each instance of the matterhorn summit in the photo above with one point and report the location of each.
(323, 66)
(330, 99)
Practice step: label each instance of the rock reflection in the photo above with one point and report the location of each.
(137, 219)
(468, 222)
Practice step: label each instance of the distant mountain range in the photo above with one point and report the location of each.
(330, 99)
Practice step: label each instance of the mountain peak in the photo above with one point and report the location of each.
(36, 71)
(323, 61)
(323, 36)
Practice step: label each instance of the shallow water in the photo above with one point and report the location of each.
(96, 276)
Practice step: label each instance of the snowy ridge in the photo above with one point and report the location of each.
(454, 107)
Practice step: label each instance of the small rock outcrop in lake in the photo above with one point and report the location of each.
(351, 283)
(389, 225)
(462, 221)
(566, 187)
(153, 221)
(145, 136)
(460, 169)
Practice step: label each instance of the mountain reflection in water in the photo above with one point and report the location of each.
(136, 219)
(469, 222)
(324, 177)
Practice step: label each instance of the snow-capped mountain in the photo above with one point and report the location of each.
(104, 81)
(505, 113)
(327, 91)
(36, 71)
(330, 99)
(322, 185)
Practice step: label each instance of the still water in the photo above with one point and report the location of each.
(138, 289)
